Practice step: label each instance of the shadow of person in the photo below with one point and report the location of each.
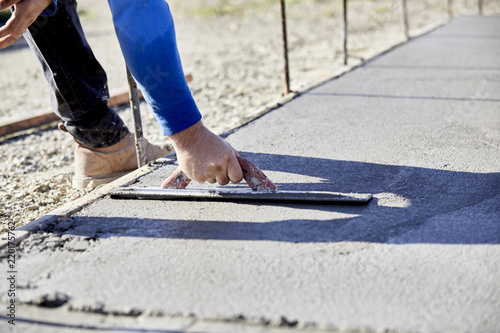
(411, 205)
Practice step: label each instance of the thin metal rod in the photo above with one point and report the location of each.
(285, 47)
(346, 55)
(450, 8)
(405, 19)
(136, 110)
(480, 6)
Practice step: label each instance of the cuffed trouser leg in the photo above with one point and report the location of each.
(79, 89)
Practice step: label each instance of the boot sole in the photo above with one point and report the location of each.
(91, 182)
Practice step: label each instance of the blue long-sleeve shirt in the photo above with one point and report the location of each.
(145, 30)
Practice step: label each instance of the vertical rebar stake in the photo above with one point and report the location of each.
(346, 55)
(405, 20)
(450, 8)
(136, 110)
(285, 47)
(480, 6)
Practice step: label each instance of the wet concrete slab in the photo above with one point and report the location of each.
(418, 127)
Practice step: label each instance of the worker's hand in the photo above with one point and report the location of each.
(204, 156)
(25, 14)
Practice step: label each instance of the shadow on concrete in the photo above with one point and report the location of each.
(348, 176)
(411, 205)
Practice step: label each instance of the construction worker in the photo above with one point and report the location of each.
(104, 147)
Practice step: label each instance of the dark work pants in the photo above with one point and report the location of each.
(79, 89)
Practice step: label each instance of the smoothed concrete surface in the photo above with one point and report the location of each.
(418, 127)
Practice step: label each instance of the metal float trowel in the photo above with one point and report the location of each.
(262, 189)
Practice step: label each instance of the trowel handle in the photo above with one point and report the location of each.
(177, 179)
(254, 177)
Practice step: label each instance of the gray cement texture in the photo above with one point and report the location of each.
(418, 127)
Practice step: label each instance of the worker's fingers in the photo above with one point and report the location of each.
(26, 12)
(222, 178)
(4, 4)
(178, 179)
(7, 39)
(211, 180)
(11, 32)
(254, 177)
(234, 171)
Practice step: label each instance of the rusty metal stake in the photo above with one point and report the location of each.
(345, 33)
(450, 8)
(136, 110)
(285, 47)
(405, 19)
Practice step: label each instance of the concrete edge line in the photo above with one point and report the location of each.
(71, 208)
(64, 317)
(65, 211)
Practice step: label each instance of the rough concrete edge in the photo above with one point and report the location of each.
(66, 317)
(73, 207)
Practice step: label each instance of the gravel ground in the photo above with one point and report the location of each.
(233, 51)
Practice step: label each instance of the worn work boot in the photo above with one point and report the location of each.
(96, 166)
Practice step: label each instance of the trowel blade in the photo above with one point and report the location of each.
(318, 197)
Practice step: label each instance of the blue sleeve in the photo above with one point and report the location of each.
(50, 10)
(145, 30)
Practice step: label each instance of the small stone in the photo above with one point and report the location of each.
(41, 188)
(33, 207)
